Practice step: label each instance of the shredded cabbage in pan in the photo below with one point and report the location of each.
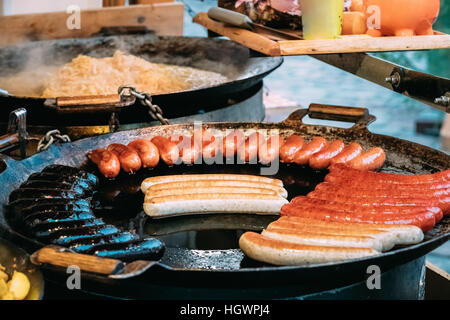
(86, 75)
(92, 76)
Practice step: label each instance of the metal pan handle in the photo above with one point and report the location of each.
(61, 257)
(89, 104)
(359, 116)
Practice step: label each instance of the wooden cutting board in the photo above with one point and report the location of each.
(165, 18)
(344, 44)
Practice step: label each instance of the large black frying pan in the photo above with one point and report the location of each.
(202, 252)
(232, 60)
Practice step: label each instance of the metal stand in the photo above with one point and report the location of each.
(17, 135)
(431, 90)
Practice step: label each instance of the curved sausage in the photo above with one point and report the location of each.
(413, 200)
(278, 252)
(231, 143)
(370, 182)
(425, 221)
(270, 150)
(107, 162)
(147, 151)
(168, 150)
(291, 146)
(350, 152)
(189, 148)
(164, 180)
(377, 190)
(361, 208)
(369, 161)
(211, 146)
(343, 171)
(316, 145)
(322, 159)
(129, 159)
(248, 151)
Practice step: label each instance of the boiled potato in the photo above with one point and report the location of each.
(3, 288)
(8, 296)
(19, 285)
(3, 276)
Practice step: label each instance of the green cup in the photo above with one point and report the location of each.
(322, 19)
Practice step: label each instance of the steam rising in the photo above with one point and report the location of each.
(25, 69)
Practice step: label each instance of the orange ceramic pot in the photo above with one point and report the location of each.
(401, 17)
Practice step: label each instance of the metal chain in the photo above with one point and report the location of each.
(50, 138)
(146, 99)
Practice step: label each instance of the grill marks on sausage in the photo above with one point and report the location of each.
(54, 206)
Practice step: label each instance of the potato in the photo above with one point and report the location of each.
(8, 296)
(3, 288)
(19, 285)
(3, 276)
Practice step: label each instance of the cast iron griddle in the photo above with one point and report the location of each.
(202, 250)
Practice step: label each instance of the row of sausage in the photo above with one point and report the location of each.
(204, 146)
(350, 195)
(353, 214)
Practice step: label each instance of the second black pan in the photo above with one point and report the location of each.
(225, 57)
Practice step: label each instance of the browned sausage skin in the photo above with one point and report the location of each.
(107, 162)
(231, 143)
(147, 151)
(270, 150)
(129, 159)
(316, 145)
(248, 151)
(168, 150)
(291, 146)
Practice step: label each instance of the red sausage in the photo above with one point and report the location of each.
(291, 146)
(128, 158)
(371, 182)
(147, 151)
(350, 152)
(316, 145)
(344, 171)
(322, 159)
(425, 221)
(306, 203)
(231, 143)
(168, 150)
(441, 202)
(377, 190)
(211, 146)
(270, 150)
(369, 161)
(190, 149)
(248, 151)
(107, 162)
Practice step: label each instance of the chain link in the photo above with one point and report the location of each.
(146, 99)
(50, 138)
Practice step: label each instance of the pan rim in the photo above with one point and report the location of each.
(286, 126)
